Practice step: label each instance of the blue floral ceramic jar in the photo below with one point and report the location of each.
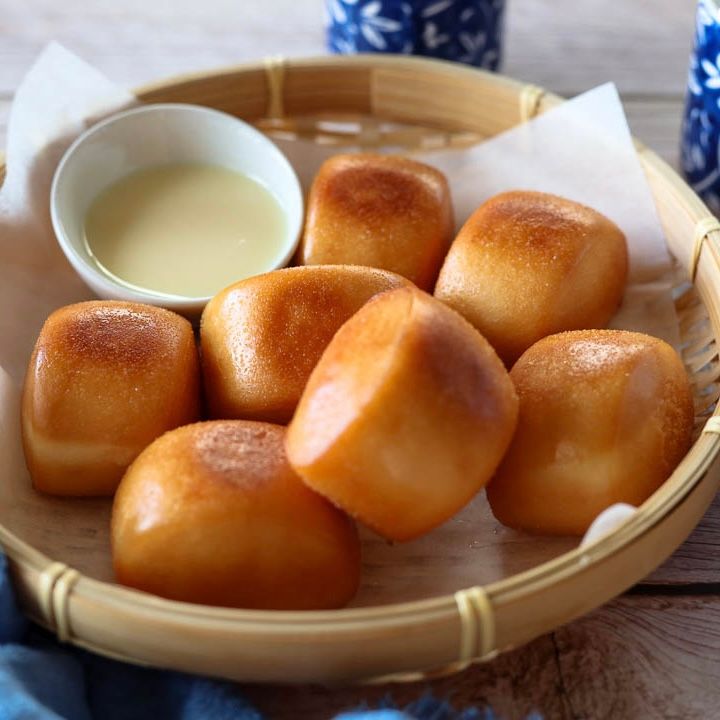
(468, 31)
(700, 146)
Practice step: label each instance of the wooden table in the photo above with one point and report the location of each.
(653, 653)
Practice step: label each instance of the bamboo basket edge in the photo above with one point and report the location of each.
(29, 564)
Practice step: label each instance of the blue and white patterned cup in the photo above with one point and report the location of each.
(700, 143)
(468, 31)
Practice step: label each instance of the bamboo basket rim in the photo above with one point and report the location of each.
(684, 480)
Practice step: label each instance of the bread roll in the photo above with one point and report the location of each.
(262, 337)
(212, 513)
(605, 416)
(384, 211)
(105, 379)
(405, 417)
(527, 264)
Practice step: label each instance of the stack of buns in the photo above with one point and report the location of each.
(399, 404)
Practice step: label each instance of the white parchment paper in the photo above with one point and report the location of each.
(60, 97)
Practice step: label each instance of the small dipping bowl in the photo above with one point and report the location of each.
(154, 135)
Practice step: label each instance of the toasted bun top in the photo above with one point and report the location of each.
(586, 354)
(545, 228)
(268, 332)
(611, 382)
(374, 187)
(241, 452)
(380, 210)
(112, 333)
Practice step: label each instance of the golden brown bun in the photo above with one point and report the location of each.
(105, 379)
(605, 416)
(405, 417)
(384, 211)
(262, 337)
(212, 513)
(527, 264)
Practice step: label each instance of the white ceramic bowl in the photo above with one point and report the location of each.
(156, 135)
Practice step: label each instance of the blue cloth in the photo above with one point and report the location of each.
(43, 680)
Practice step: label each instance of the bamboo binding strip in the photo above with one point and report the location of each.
(477, 625)
(476, 640)
(54, 588)
(531, 97)
(275, 71)
(703, 229)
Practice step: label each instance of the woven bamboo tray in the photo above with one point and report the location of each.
(408, 103)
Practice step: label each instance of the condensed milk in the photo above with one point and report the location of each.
(186, 229)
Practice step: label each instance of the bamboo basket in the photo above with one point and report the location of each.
(408, 103)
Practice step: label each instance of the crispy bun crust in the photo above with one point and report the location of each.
(605, 417)
(212, 513)
(104, 380)
(405, 417)
(528, 264)
(262, 337)
(385, 211)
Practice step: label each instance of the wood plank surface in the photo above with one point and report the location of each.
(564, 45)
(650, 658)
(134, 41)
(570, 45)
(514, 685)
(639, 658)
